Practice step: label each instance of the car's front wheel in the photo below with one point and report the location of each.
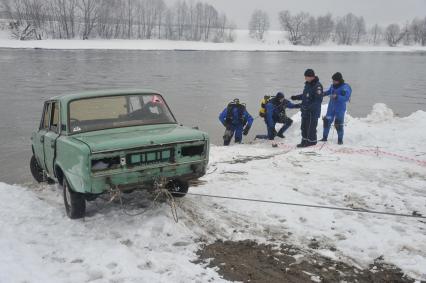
(75, 203)
(178, 188)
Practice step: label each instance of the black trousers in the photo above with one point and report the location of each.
(309, 128)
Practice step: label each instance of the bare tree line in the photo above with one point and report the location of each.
(305, 29)
(189, 20)
(259, 24)
(113, 19)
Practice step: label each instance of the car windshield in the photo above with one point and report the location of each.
(90, 114)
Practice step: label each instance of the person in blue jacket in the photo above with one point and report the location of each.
(310, 108)
(275, 113)
(236, 120)
(340, 93)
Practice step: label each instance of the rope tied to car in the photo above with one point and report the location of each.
(116, 193)
(161, 190)
(414, 214)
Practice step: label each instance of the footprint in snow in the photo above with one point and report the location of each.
(146, 265)
(115, 235)
(58, 259)
(340, 237)
(111, 265)
(181, 244)
(94, 275)
(127, 243)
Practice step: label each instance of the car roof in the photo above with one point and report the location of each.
(97, 93)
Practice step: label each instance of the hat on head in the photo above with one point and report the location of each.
(337, 77)
(309, 73)
(279, 95)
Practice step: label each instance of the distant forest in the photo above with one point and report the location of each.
(190, 20)
(305, 29)
(116, 19)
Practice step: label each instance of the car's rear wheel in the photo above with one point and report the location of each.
(178, 188)
(75, 203)
(36, 170)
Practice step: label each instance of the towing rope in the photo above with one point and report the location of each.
(171, 201)
(159, 190)
(415, 214)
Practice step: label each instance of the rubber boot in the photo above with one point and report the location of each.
(302, 144)
(227, 137)
(280, 134)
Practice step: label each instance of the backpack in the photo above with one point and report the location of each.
(241, 109)
(263, 102)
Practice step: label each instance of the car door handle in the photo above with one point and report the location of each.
(42, 139)
(52, 144)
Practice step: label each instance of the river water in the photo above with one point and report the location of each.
(196, 85)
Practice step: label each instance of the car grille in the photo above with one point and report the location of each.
(194, 150)
(150, 157)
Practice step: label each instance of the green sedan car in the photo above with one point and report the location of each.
(94, 142)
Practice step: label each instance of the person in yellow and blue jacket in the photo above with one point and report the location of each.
(275, 113)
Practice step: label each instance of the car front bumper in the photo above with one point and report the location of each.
(137, 178)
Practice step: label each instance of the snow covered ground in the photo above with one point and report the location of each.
(39, 243)
(274, 41)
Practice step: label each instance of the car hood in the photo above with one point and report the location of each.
(134, 137)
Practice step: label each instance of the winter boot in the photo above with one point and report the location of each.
(311, 144)
(227, 137)
(302, 144)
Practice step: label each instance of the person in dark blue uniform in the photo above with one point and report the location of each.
(340, 93)
(275, 113)
(310, 108)
(236, 120)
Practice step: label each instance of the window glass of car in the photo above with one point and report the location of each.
(135, 103)
(54, 118)
(45, 118)
(108, 112)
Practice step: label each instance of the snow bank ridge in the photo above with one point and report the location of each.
(380, 113)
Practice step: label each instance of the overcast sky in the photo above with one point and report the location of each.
(374, 11)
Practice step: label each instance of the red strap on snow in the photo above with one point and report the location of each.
(347, 150)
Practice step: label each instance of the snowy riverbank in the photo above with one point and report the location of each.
(274, 41)
(381, 167)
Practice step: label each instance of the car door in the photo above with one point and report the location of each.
(51, 136)
(38, 138)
